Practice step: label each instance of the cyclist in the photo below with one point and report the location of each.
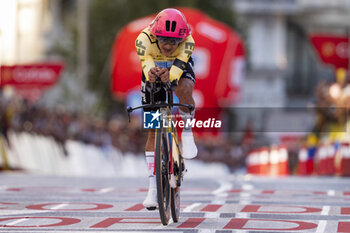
(165, 49)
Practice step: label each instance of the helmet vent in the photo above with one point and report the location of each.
(173, 26)
(167, 25)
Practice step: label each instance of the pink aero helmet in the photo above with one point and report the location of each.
(170, 23)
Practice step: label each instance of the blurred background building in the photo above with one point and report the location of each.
(284, 67)
(29, 30)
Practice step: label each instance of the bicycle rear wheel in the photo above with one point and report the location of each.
(175, 192)
(162, 176)
(177, 171)
(175, 203)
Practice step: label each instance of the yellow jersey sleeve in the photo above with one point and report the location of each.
(143, 49)
(185, 51)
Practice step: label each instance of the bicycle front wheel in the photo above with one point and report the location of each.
(162, 176)
(177, 171)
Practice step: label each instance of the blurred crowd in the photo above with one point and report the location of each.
(332, 104)
(20, 115)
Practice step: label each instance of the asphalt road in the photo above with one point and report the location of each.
(241, 203)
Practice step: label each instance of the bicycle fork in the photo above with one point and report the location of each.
(171, 146)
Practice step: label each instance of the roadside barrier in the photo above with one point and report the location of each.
(325, 159)
(264, 160)
(332, 150)
(252, 162)
(42, 154)
(343, 166)
(283, 161)
(267, 161)
(320, 160)
(306, 161)
(275, 163)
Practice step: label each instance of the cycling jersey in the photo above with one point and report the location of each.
(148, 50)
(160, 95)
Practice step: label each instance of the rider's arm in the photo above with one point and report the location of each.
(186, 48)
(143, 45)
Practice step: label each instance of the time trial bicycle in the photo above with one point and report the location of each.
(169, 163)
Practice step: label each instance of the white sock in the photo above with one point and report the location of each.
(150, 168)
(187, 116)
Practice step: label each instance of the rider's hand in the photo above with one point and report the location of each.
(164, 74)
(152, 74)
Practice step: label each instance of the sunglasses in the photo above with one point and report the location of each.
(169, 40)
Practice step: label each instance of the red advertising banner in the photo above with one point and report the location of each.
(44, 75)
(332, 49)
(30, 80)
(218, 60)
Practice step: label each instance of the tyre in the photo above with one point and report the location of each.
(163, 176)
(175, 204)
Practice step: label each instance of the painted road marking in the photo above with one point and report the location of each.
(242, 215)
(205, 208)
(191, 207)
(325, 210)
(321, 228)
(212, 215)
(137, 207)
(247, 187)
(16, 222)
(206, 230)
(223, 189)
(331, 192)
(211, 208)
(236, 223)
(161, 226)
(59, 206)
(245, 198)
(106, 190)
(191, 223)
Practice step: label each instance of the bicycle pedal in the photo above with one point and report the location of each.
(151, 208)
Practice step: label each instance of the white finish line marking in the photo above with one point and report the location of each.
(59, 206)
(212, 215)
(207, 231)
(321, 226)
(224, 187)
(247, 187)
(242, 215)
(325, 210)
(245, 198)
(16, 222)
(331, 192)
(191, 207)
(106, 190)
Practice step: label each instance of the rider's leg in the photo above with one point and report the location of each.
(184, 93)
(151, 199)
